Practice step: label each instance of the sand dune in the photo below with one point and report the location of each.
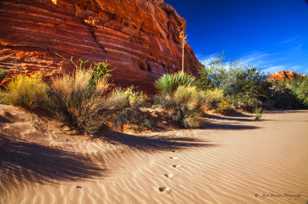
(235, 160)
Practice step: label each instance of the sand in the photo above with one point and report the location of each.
(233, 160)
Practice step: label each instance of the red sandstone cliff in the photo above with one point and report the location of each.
(284, 75)
(139, 38)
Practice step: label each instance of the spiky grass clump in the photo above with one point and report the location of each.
(188, 102)
(183, 104)
(168, 83)
(125, 105)
(225, 107)
(26, 91)
(213, 97)
(78, 98)
(189, 96)
(128, 97)
(192, 121)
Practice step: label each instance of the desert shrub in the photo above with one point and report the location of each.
(302, 91)
(282, 96)
(213, 97)
(192, 121)
(189, 96)
(121, 98)
(225, 107)
(132, 117)
(85, 100)
(122, 107)
(245, 87)
(78, 98)
(168, 83)
(26, 91)
(300, 88)
(258, 113)
(128, 97)
(183, 103)
(3, 73)
(100, 71)
(203, 81)
(179, 95)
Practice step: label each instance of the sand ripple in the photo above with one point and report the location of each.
(267, 164)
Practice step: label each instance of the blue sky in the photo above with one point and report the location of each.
(270, 34)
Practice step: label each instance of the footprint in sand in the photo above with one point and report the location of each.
(175, 166)
(168, 175)
(173, 158)
(164, 189)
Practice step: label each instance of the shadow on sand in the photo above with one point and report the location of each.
(154, 143)
(22, 162)
(222, 126)
(230, 117)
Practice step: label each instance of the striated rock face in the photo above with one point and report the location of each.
(139, 38)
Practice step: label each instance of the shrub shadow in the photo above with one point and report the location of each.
(235, 113)
(224, 126)
(154, 143)
(22, 162)
(232, 118)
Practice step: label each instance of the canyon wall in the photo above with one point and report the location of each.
(139, 38)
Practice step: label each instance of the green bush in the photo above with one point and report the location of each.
(203, 81)
(245, 87)
(284, 95)
(26, 91)
(168, 83)
(300, 89)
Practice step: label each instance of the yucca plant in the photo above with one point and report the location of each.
(168, 83)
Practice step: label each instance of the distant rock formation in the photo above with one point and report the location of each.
(139, 38)
(284, 75)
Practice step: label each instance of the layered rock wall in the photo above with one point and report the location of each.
(139, 38)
